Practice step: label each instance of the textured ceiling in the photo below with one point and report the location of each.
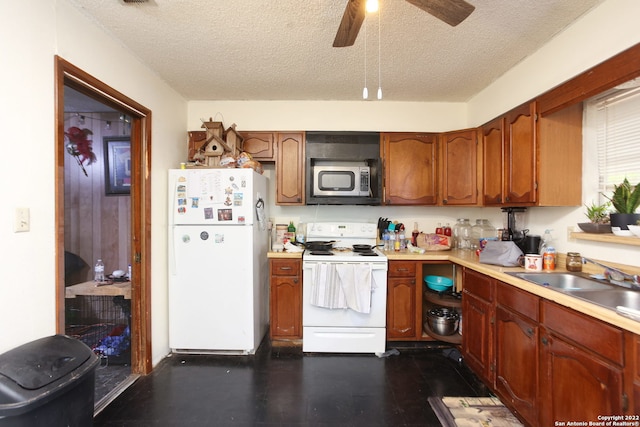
(282, 49)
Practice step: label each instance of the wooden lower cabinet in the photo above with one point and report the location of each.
(402, 323)
(547, 362)
(477, 323)
(581, 367)
(285, 302)
(516, 340)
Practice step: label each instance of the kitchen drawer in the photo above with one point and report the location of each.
(402, 269)
(285, 267)
(517, 300)
(597, 336)
(478, 284)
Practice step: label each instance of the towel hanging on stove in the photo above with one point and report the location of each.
(342, 286)
(326, 291)
(356, 285)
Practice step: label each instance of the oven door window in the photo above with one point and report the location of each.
(336, 181)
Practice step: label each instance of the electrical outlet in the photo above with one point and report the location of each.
(22, 222)
(570, 230)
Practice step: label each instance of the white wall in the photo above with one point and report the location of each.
(37, 30)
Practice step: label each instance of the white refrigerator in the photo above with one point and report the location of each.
(218, 271)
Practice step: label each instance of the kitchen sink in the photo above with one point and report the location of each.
(612, 298)
(564, 281)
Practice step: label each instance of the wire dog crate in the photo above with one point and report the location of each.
(102, 323)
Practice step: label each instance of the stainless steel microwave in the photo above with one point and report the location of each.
(341, 181)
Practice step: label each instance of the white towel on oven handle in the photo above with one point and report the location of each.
(356, 283)
(326, 291)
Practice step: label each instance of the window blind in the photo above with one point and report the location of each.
(618, 137)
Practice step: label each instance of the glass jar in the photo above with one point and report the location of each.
(574, 262)
(482, 230)
(462, 233)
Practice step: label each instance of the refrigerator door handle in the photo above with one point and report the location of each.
(260, 216)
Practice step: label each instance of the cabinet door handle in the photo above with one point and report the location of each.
(285, 268)
(295, 280)
(444, 201)
(545, 341)
(402, 269)
(529, 332)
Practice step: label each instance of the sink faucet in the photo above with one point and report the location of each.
(616, 274)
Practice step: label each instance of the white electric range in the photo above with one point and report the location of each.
(344, 290)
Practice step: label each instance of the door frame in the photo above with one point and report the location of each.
(67, 74)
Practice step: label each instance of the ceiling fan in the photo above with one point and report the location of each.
(452, 12)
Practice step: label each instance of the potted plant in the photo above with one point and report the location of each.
(625, 200)
(598, 218)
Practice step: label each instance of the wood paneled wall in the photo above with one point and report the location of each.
(95, 225)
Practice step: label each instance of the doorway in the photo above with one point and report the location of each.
(115, 211)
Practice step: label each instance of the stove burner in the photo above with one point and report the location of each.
(367, 253)
(321, 253)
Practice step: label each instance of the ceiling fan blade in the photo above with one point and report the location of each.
(350, 25)
(452, 12)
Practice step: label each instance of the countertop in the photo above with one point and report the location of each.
(470, 260)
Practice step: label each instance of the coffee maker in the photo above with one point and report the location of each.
(513, 226)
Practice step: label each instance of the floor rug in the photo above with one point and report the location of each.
(472, 411)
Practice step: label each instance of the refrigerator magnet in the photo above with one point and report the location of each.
(225, 214)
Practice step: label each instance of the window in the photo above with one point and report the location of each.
(616, 119)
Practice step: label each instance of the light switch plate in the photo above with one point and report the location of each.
(22, 222)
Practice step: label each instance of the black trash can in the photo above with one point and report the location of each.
(48, 382)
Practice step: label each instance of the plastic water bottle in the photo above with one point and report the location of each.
(546, 241)
(98, 271)
(386, 239)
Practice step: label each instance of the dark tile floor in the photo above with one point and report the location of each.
(108, 377)
(284, 387)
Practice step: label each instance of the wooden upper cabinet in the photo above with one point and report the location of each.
(459, 160)
(410, 173)
(560, 157)
(509, 159)
(493, 150)
(532, 160)
(520, 166)
(290, 168)
(261, 145)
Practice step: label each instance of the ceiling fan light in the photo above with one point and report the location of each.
(365, 93)
(372, 6)
(379, 92)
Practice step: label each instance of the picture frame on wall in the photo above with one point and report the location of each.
(117, 165)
